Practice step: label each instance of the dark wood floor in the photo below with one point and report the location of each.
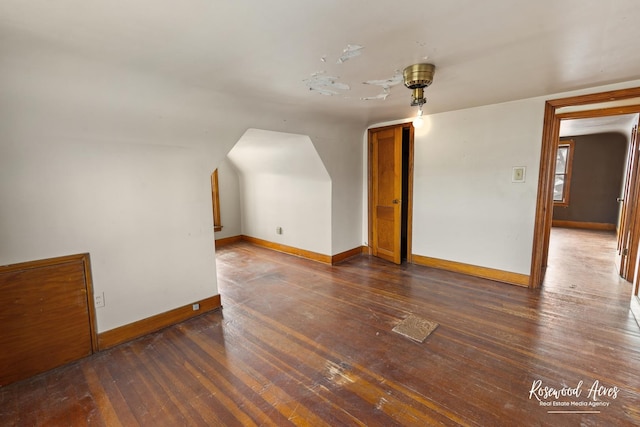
(302, 343)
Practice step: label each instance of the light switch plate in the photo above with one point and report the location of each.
(519, 173)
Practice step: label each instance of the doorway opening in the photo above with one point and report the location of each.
(589, 185)
(600, 161)
(550, 137)
(616, 102)
(406, 138)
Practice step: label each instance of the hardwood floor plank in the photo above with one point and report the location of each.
(196, 410)
(107, 412)
(335, 346)
(260, 377)
(307, 344)
(98, 366)
(317, 368)
(249, 389)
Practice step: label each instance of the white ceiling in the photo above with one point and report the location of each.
(621, 124)
(485, 51)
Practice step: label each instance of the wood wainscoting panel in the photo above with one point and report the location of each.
(46, 318)
(151, 324)
(473, 270)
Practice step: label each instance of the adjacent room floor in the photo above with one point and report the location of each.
(302, 343)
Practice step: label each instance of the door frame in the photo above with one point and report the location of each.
(409, 201)
(635, 298)
(550, 137)
(626, 252)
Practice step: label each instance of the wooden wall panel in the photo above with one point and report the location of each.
(45, 316)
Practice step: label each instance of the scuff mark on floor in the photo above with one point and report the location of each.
(336, 373)
(381, 403)
(293, 413)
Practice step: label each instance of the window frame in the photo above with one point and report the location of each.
(215, 197)
(567, 173)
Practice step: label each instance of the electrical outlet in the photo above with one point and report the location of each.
(99, 299)
(278, 230)
(196, 307)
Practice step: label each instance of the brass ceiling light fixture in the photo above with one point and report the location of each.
(416, 78)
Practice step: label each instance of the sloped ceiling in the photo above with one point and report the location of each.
(274, 51)
(265, 152)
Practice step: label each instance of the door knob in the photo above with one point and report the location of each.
(396, 201)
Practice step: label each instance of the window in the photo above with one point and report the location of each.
(562, 181)
(217, 225)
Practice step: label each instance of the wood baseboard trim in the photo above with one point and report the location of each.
(314, 256)
(584, 225)
(151, 324)
(302, 253)
(348, 254)
(473, 270)
(227, 240)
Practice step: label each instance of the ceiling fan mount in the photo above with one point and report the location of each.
(417, 77)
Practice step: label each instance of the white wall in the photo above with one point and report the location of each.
(140, 211)
(334, 221)
(301, 207)
(283, 183)
(96, 158)
(343, 160)
(116, 161)
(466, 209)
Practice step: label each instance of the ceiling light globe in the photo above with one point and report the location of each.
(418, 122)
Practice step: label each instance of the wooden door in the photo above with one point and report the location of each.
(629, 234)
(385, 150)
(628, 230)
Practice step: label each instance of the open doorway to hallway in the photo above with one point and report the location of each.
(591, 170)
(623, 101)
(612, 103)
